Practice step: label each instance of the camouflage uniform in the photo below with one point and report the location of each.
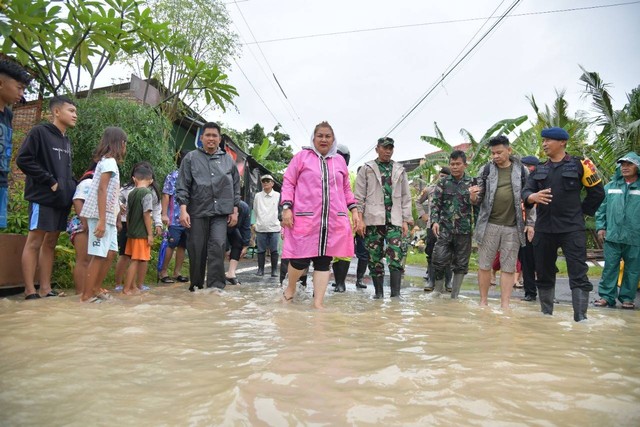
(451, 208)
(376, 235)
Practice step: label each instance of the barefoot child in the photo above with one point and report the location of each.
(77, 229)
(123, 259)
(139, 229)
(101, 210)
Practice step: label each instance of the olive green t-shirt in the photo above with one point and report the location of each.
(503, 211)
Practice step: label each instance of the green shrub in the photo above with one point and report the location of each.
(147, 131)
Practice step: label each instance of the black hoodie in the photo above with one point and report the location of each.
(45, 158)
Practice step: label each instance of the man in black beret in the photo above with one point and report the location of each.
(554, 187)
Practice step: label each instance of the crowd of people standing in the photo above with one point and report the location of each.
(519, 211)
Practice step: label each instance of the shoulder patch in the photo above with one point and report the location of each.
(590, 177)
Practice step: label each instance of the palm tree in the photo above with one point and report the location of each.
(619, 131)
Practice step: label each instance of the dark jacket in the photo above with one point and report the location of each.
(45, 159)
(243, 226)
(208, 184)
(566, 211)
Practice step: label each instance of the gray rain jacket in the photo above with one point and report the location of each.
(208, 184)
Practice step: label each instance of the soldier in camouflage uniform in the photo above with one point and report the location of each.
(452, 219)
(379, 183)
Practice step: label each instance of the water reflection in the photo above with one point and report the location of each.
(242, 357)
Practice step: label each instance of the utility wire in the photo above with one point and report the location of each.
(448, 71)
(452, 21)
(259, 96)
(297, 118)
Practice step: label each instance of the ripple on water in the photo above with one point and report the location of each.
(170, 357)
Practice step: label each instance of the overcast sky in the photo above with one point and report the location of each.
(364, 82)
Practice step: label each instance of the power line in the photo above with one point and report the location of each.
(256, 91)
(299, 121)
(448, 71)
(451, 21)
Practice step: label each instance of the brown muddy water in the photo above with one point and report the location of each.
(242, 357)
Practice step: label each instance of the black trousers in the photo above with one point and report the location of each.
(574, 247)
(527, 261)
(206, 244)
(235, 243)
(451, 250)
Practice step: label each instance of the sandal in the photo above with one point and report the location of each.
(182, 279)
(167, 279)
(287, 299)
(32, 296)
(628, 305)
(601, 303)
(233, 280)
(53, 293)
(104, 296)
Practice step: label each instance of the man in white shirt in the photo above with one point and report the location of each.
(267, 226)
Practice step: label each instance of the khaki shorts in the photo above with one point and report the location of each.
(499, 238)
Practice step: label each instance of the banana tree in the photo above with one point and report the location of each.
(477, 153)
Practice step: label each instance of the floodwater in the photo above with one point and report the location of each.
(242, 357)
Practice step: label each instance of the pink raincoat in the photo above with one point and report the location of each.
(319, 191)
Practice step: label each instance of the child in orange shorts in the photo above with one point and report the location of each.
(139, 228)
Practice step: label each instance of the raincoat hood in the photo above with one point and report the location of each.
(629, 157)
(332, 151)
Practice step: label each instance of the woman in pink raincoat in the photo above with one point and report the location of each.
(316, 197)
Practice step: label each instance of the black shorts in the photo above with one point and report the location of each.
(320, 263)
(122, 239)
(177, 236)
(45, 218)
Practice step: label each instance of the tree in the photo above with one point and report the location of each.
(190, 63)
(270, 150)
(145, 130)
(558, 116)
(477, 154)
(64, 43)
(618, 130)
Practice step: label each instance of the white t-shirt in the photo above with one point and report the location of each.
(82, 190)
(90, 208)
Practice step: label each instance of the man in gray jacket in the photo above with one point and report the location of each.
(208, 192)
(500, 225)
(384, 201)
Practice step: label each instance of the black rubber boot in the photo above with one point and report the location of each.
(377, 285)
(340, 270)
(261, 259)
(580, 301)
(546, 296)
(439, 286)
(284, 267)
(274, 264)
(395, 282)
(362, 268)
(448, 277)
(456, 284)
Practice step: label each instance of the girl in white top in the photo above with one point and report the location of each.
(101, 210)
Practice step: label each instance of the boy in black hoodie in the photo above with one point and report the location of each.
(45, 159)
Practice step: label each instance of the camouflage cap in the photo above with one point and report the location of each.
(386, 141)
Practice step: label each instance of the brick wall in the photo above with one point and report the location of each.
(24, 118)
